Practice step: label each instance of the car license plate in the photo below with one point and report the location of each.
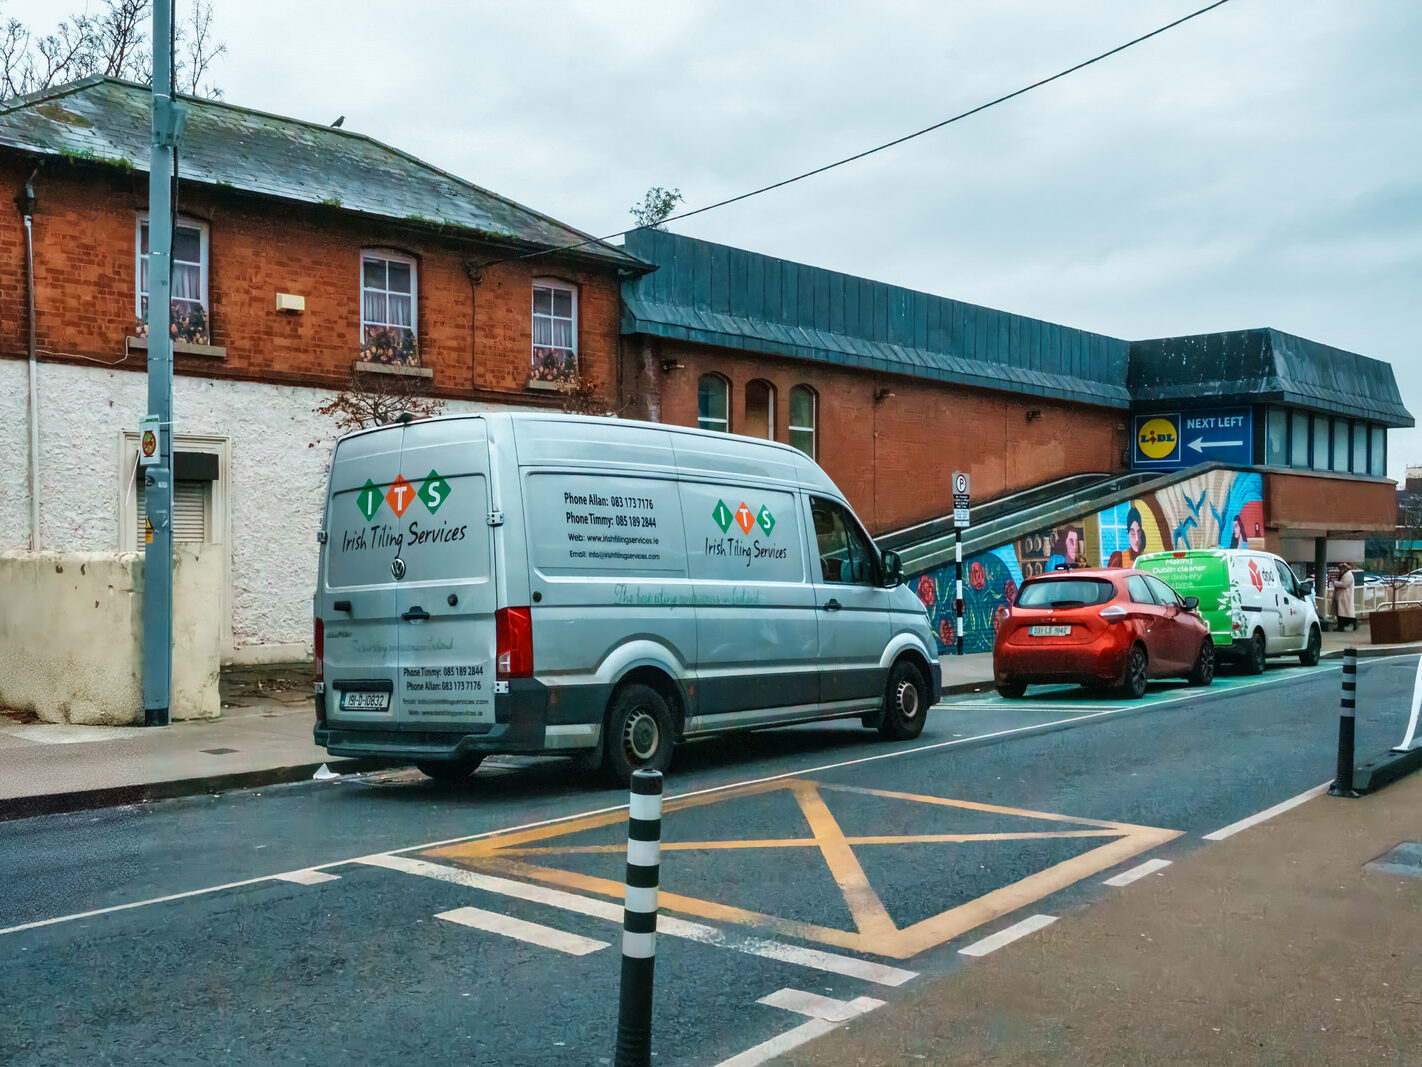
(1049, 631)
(364, 700)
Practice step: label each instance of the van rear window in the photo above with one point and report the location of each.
(1063, 592)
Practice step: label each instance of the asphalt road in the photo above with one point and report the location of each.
(810, 862)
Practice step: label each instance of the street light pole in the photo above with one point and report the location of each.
(158, 474)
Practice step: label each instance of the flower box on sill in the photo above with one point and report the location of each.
(181, 348)
(401, 369)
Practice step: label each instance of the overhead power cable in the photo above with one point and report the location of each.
(882, 147)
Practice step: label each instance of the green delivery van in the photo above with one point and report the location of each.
(1254, 605)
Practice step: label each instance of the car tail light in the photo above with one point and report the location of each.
(1114, 613)
(513, 630)
(320, 657)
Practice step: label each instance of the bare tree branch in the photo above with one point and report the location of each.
(120, 36)
(198, 51)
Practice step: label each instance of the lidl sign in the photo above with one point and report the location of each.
(1168, 440)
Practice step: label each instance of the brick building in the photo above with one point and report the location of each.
(301, 252)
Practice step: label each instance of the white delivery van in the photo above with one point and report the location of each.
(555, 584)
(1253, 603)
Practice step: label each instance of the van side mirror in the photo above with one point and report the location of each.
(1192, 603)
(893, 570)
(1306, 586)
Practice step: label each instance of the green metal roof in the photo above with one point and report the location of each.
(105, 120)
(716, 295)
(1264, 366)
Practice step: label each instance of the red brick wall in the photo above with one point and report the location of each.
(1318, 502)
(893, 458)
(478, 341)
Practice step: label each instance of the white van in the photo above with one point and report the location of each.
(537, 583)
(1252, 601)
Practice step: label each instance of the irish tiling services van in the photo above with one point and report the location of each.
(534, 583)
(1254, 605)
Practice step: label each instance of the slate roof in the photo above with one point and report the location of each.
(107, 120)
(716, 295)
(1265, 366)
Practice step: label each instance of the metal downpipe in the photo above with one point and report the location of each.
(34, 366)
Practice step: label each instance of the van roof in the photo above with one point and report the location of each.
(514, 417)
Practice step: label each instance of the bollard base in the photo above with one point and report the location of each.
(1338, 791)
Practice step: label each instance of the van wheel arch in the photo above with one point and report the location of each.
(663, 683)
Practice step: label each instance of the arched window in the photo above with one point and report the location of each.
(760, 410)
(712, 404)
(804, 412)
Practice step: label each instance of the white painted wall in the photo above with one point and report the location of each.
(71, 631)
(279, 450)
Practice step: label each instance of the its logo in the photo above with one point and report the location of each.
(742, 517)
(1158, 438)
(432, 492)
(1255, 578)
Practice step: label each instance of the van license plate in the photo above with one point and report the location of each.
(364, 701)
(1049, 631)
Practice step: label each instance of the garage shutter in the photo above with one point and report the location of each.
(189, 512)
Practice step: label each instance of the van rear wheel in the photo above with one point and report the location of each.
(905, 703)
(639, 733)
(449, 770)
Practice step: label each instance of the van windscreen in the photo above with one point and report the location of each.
(1065, 592)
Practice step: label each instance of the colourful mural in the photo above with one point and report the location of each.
(1221, 509)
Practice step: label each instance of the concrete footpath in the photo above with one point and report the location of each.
(1277, 945)
(258, 741)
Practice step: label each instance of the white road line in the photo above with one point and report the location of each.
(1135, 874)
(534, 933)
(668, 925)
(1005, 937)
(310, 876)
(896, 754)
(792, 1039)
(1262, 816)
(814, 1005)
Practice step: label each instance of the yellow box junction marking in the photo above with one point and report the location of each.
(875, 931)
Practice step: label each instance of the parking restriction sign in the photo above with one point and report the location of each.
(960, 500)
(149, 450)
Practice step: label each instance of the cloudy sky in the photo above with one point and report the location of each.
(1259, 166)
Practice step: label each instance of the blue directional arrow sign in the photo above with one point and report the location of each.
(1221, 435)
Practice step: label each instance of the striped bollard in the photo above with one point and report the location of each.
(639, 920)
(1347, 716)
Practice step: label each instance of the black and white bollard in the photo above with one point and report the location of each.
(639, 920)
(1347, 715)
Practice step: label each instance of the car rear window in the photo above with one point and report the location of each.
(1065, 592)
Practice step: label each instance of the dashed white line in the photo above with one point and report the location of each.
(1005, 937)
(1135, 874)
(814, 1005)
(792, 1039)
(669, 925)
(534, 933)
(1268, 813)
(310, 876)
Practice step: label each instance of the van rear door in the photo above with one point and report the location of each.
(445, 593)
(355, 597)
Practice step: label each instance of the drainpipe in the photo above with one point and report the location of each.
(29, 207)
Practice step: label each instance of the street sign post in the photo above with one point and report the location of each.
(960, 523)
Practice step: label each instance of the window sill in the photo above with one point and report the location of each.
(181, 348)
(393, 368)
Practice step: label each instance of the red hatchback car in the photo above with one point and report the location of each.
(1106, 627)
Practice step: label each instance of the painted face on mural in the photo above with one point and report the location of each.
(1135, 532)
(1073, 546)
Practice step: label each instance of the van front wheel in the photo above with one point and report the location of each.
(1309, 656)
(639, 733)
(905, 703)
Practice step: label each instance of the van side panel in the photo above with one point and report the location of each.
(757, 634)
(607, 567)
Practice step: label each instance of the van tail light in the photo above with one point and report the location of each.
(513, 635)
(320, 658)
(1114, 613)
